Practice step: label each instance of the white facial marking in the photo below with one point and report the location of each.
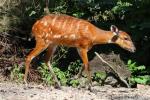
(114, 33)
(109, 41)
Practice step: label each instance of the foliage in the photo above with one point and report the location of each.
(73, 68)
(61, 53)
(134, 68)
(74, 83)
(45, 74)
(145, 79)
(121, 7)
(63, 76)
(99, 77)
(139, 74)
(16, 73)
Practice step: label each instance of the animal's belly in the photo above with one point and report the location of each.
(79, 43)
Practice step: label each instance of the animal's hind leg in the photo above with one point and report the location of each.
(49, 54)
(40, 46)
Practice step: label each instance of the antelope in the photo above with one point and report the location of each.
(58, 29)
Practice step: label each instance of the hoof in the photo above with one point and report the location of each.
(57, 86)
(26, 83)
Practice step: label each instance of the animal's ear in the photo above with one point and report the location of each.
(114, 29)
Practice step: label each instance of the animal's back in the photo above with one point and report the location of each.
(63, 29)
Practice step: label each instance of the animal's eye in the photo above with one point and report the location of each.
(126, 38)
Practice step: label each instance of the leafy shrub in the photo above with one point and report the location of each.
(99, 77)
(63, 76)
(134, 68)
(45, 74)
(138, 73)
(73, 68)
(16, 73)
(74, 82)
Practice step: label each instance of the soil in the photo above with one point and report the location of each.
(14, 91)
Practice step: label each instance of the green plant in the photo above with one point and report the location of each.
(121, 7)
(74, 83)
(47, 77)
(45, 74)
(138, 73)
(16, 73)
(73, 68)
(63, 76)
(134, 68)
(61, 53)
(99, 77)
(145, 79)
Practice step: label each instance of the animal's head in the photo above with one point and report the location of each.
(122, 39)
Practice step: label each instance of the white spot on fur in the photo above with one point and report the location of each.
(64, 24)
(72, 36)
(46, 35)
(78, 27)
(56, 36)
(66, 36)
(86, 28)
(71, 25)
(59, 24)
(43, 34)
(54, 19)
(45, 23)
(42, 22)
(47, 41)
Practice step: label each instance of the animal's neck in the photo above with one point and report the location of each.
(102, 36)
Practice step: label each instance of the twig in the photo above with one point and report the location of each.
(124, 81)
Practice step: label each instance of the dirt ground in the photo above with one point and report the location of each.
(14, 91)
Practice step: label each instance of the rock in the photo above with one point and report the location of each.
(118, 65)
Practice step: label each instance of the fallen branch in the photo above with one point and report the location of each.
(120, 78)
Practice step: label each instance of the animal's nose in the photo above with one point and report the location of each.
(133, 49)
